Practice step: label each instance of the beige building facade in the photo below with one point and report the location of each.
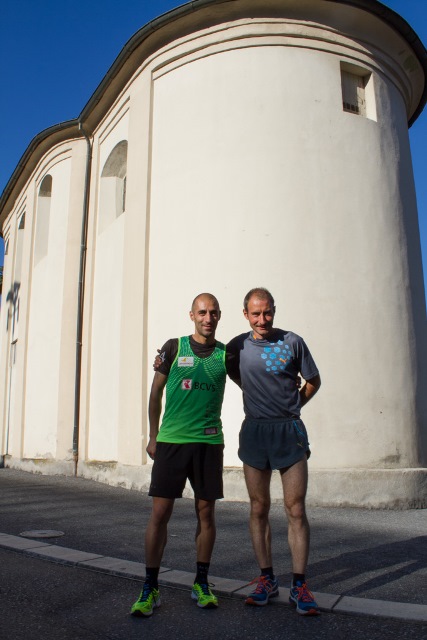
(231, 145)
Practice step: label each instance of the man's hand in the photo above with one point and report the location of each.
(310, 388)
(151, 448)
(154, 411)
(157, 361)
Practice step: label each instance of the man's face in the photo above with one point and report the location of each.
(260, 315)
(205, 314)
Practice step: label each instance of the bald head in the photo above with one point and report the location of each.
(207, 297)
(205, 313)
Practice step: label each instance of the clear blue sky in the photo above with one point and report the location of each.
(54, 54)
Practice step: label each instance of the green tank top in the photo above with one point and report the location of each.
(194, 395)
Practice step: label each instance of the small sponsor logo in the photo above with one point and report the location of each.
(188, 384)
(204, 386)
(211, 431)
(186, 361)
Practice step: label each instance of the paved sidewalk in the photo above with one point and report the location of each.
(362, 562)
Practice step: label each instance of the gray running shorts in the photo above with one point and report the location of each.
(273, 444)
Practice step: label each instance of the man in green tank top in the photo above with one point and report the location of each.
(189, 445)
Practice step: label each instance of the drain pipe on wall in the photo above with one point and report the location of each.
(82, 271)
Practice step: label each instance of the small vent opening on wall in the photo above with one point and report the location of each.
(357, 91)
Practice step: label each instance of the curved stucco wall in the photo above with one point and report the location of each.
(260, 177)
(242, 170)
(104, 332)
(39, 311)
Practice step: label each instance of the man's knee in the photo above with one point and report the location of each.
(260, 506)
(205, 510)
(258, 486)
(161, 511)
(295, 509)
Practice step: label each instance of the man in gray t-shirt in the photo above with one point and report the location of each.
(266, 363)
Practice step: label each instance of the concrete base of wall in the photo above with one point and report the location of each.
(367, 488)
(42, 466)
(117, 475)
(112, 473)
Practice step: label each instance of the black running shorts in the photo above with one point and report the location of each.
(274, 444)
(201, 463)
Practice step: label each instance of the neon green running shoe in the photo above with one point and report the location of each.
(148, 599)
(204, 596)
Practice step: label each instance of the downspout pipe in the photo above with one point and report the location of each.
(81, 292)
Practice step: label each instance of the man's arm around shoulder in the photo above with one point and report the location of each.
(232, 361)
(310, 388)
(155, 409)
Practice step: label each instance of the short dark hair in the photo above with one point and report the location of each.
(207, 295)
(258, 292)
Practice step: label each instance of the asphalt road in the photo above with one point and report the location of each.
(354, 552)
(41, 600)
(378, 555)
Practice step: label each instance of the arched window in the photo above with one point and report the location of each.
(43, 214)
(13, 296)
(112, 202)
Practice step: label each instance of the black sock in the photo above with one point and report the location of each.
(268, 571)
(202, 572)
(298, 577)
(152, 576)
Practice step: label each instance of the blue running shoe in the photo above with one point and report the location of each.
(302, 598)
(266, 588)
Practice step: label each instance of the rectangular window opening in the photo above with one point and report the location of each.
(356, 85)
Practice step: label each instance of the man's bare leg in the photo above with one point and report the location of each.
(294, 482)
(206, 529)
(258, 486)
(156, 532)
(205, 540)
(155, 542)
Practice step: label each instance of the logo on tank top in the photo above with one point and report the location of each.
(186, 361)
(187, 384)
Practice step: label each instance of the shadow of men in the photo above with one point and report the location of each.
(370, 568)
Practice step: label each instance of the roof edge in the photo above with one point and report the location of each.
(70, 129)
(67, 130)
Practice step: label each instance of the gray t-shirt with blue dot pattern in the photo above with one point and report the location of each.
(268, 370)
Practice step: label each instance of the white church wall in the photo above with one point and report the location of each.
(135, 358)
(239, 198)
(242, 168)
(45, 323)
(105, 330)
(40, 294)
(17, 301)
(7, 351)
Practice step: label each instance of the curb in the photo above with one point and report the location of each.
(223, 586)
